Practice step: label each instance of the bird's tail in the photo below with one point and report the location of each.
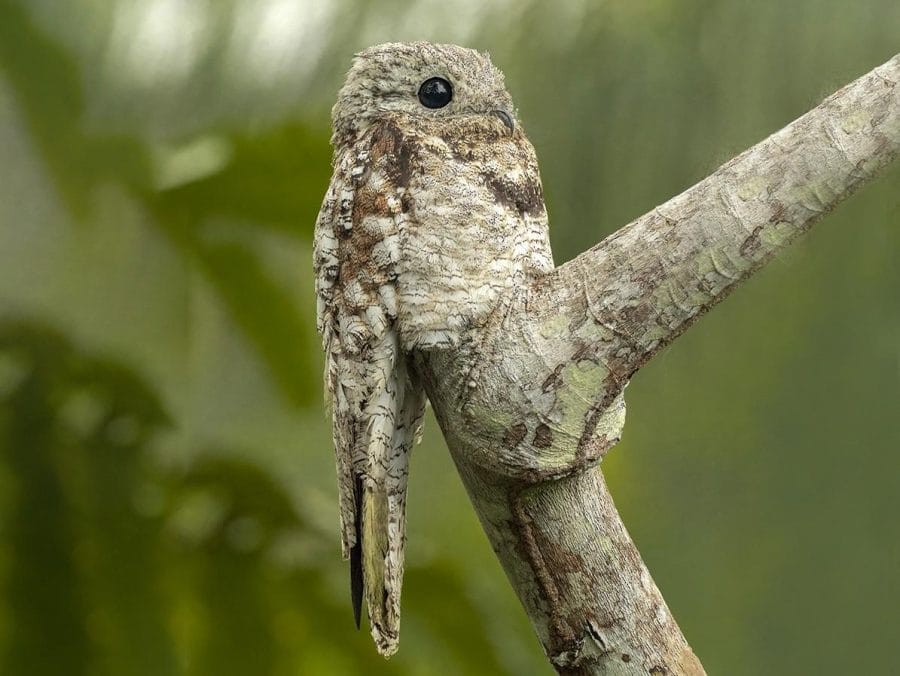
(383, 514)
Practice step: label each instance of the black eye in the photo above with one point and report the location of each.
(435, 92)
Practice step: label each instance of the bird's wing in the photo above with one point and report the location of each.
(377, 403)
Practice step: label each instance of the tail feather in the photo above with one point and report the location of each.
(384, 517)
(379, 510)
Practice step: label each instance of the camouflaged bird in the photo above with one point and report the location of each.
(434, 215)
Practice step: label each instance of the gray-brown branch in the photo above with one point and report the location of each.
(536, 400)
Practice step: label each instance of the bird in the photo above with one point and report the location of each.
(433, 218)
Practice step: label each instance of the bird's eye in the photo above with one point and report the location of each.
(435, 92)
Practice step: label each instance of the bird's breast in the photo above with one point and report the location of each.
(475, 224)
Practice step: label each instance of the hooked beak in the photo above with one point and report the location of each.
(506, 118)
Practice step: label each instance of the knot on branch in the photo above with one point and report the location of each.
(533, 402)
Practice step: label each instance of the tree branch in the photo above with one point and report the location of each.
(534, 400)
(651, 278)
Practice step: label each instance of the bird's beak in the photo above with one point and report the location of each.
(506, 118)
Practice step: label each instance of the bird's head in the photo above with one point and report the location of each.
(420, 80)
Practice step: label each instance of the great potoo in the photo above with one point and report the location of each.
(434, 215)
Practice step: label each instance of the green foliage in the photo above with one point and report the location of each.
(167, 498)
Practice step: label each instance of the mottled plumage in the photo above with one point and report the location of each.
(433, 216)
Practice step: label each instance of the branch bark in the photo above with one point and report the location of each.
(536, 400)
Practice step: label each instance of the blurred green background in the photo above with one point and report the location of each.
(167, 492)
